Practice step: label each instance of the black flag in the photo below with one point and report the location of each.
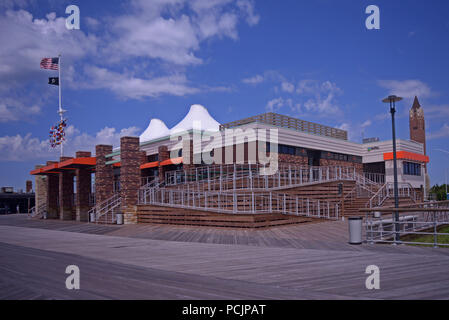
(54, 81)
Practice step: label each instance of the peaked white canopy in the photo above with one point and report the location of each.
(156, 129)
(197, 118)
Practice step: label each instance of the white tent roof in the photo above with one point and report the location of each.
(197, 118)
(156, 129)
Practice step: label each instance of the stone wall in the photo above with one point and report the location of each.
(130, 159)
(66, 210)
(83, 189)
(104, 176)
(52, 194)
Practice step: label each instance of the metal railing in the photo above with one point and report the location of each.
(378, 178)
(242, 203)
(248, 177)
(405, 190)
(417, 225)
(105, 211)
(38, 211)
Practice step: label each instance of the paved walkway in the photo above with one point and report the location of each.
(34, 256)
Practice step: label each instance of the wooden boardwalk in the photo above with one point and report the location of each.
(297, 262)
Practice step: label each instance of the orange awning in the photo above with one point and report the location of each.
(406, 155)
(149, 165)
(171, 161)
(70, 164)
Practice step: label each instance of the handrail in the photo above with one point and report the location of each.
(106, 208)
(38, 211)
(405, 189)
(244, 203)
(249, 177)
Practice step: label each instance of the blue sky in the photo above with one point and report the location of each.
(135, 60)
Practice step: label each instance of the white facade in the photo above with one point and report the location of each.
(369, 152)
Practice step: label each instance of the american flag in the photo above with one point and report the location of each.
(50, 63)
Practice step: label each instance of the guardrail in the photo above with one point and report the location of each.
(405, 190)
(243, 203)
(248, 177)
(106, 209)
(417, 225)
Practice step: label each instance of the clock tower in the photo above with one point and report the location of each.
(417, 124)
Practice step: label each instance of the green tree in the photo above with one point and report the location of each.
(439, 191)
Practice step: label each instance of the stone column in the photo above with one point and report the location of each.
(29, 186)
(83, 189)
(40, 192)
(66, 211)
(130, 159)
(104, 175)
(52, 194)
(188, 156)
(164, 154)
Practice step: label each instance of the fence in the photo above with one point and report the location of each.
(405, 190)
(248, 177)
(241, 203)
(378, 178)
(418, 224)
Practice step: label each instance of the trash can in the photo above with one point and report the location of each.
(119, 218)
(92, 217)
(355, 230)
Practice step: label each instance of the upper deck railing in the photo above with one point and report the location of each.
(283, 121)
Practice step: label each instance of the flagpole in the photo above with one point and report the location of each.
(60, 111)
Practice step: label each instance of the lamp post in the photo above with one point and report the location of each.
(392, 101)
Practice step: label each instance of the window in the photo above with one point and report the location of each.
(284, 149)
(411, 169)
(153, 157)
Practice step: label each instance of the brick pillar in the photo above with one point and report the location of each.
(164, 154)
(40, 192)
(29, 186)
(104, 175)
(130, 159)
(66, 211)
(52, 194)
(83, 189)
(187, 155)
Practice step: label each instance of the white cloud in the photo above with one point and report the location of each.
(253, 80)
(173, 30)
(25, 43)
(355, 131)
(443, 132)
(168, 33)
(129, 86)
(323, 96)
(14, 110)
(287, 86)
(406, 88)
(26, 148)
(248, 7)
(436, 111)
(274, 105)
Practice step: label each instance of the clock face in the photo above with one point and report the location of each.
(416, 113)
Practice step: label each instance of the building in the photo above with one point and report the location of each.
(16, 202)
(199, 149)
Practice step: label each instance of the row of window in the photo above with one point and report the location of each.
(411, 169)
(285, 149)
